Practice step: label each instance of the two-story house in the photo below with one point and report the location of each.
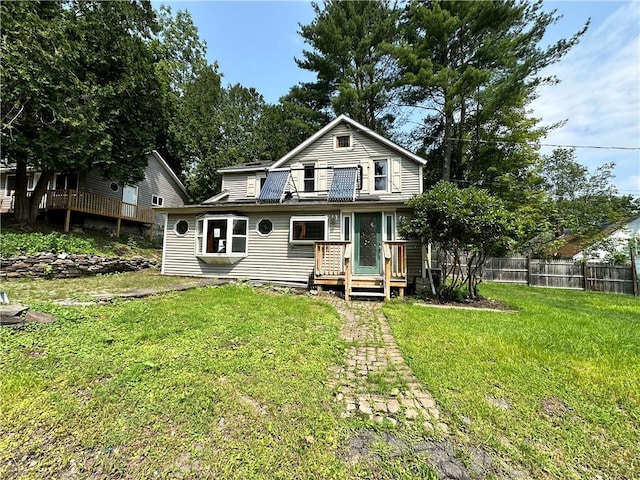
(327, 213)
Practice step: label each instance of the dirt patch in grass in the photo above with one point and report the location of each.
(386, 453)
(553, 406)
(481, 303)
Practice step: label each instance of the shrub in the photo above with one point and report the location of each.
(466, 225)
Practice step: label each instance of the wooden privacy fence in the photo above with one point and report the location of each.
(562, 274)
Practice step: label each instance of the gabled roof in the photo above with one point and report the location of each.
(172, 174)
(356, 126)
(573, 245)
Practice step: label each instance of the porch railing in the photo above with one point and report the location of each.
(334, 261)
(86, 202)
(330, 259)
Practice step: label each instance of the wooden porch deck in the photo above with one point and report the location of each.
(91, 203)
(333, 267)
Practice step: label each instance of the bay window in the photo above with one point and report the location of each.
(221, 238)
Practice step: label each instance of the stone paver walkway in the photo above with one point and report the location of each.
(376, 383)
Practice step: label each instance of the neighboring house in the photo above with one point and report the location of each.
(327, 212)
(96, 201)
(617, 238)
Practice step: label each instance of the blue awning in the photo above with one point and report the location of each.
(343, 185)
(274, 186)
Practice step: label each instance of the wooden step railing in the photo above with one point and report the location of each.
(395, 266)
(329, 258)
(333, 262)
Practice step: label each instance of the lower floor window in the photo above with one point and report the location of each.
(221, 236)
(308, 229)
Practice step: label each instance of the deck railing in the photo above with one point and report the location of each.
(86, 202)
(333, 263)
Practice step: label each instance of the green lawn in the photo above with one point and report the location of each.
(567, 364)
(227, 382)
(34, 291)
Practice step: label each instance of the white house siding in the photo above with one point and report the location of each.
(270, 258)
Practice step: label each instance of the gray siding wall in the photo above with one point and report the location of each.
(364, 151)
(236, 184)
(157, 181)
(270, 258)
(322, 154)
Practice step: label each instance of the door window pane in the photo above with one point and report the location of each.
(367, 242)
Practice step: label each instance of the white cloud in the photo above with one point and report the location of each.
(599, 94)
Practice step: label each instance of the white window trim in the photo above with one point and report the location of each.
(227, 257)
(334, 139)
(159, 201)
(348, 215)
(394, 226)
(175, 227)
(373, 175)
(258, 230)
(310, 218)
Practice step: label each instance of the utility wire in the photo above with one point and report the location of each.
(504, 142)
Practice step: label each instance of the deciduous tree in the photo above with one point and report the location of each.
(78, 81)
(584, 200)
(466, 225)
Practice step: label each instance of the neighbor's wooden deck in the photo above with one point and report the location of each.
(86, 202)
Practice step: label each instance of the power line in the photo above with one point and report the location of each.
(504, 142)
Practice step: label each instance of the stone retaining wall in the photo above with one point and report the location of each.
(49, 265)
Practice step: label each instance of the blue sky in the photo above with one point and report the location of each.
(255, 44)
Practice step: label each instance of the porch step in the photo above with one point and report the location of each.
(367, 294)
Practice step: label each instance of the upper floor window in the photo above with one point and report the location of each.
(381, 175)
(221, 239)
(157, 201)
(342, 142)
(309, 178)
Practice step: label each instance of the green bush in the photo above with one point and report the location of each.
(12, 244)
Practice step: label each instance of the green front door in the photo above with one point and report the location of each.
(367, 240)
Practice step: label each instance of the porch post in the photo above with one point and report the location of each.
(347, 273)
(67, 217)
(387, 271)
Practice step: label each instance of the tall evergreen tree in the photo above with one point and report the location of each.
(475, 67)
(355, 73)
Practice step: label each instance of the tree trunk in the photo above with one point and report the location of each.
(26, 206)
(448, 124)
(21, 201)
